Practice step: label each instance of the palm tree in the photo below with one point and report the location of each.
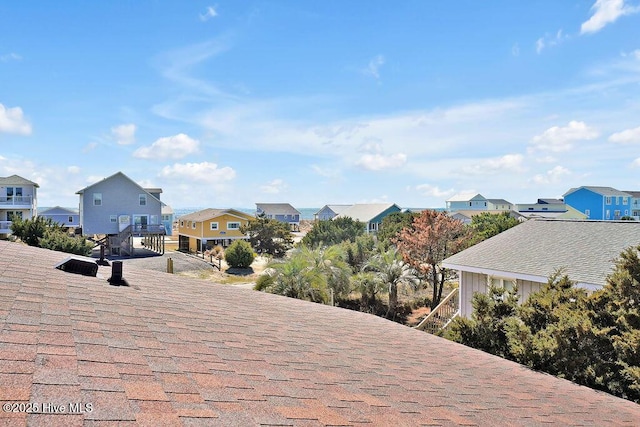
(329, 262)
(295, 278)
(391, 271)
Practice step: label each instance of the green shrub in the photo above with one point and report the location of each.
(60, 241)
(239, 254)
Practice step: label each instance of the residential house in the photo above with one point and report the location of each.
(69, 218)
(599, 203)
(176, 350)
(202, 230)
(282, 212)
(549, 208)
(635, 204)
(476, 202)
(329, 212)
(168, 218)
(120, 208)
(371, 214)
(18, 199)
(527, 254)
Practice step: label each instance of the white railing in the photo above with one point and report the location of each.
(16, 200)
(442, 315)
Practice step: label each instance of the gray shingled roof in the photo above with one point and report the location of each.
(537, 247)
(278, 208)
(171, 350)
(364, 212)
(605, 191)
(16, 180)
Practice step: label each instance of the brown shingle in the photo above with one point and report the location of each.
(171, 350)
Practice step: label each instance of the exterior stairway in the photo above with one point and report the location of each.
(441, 316)
(123, 241)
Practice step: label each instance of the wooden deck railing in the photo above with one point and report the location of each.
(442, 315)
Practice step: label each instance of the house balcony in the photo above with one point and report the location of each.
(16, 202)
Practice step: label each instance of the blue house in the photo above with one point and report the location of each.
(282, 212)
(329, 212)
(599, 203)
(69, 218)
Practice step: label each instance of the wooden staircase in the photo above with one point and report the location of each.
(441, 316)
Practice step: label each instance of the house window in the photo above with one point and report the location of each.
(505, 284)
(193, 225)
(113, 218)
(97, 199)
(607, 200)
(14, 216)
(214, 226)
(70, 219)
(143, 199)
(626, 212)
(608, 214)
(181, 223)
(233, 226)
(587, 212)
(616, 214)
(625, 200)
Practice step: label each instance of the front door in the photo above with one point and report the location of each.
(140, 222)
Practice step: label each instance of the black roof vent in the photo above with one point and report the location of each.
(78, 266)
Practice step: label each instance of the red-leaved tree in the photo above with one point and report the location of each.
(432, 237)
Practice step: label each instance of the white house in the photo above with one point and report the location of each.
(18, 199)
(477, 202)
(371, 214)
(527, 254)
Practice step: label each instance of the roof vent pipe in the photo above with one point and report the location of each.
(116, 278)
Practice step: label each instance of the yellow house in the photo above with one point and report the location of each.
(202, 230)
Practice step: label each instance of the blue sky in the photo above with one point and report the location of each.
(231, 103)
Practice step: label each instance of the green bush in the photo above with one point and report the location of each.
(60, 241)
(239, 254)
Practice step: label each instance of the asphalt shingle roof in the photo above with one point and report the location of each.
(171, 350)
(16, 180)
(585, 249)
(364, 212)
(278, 208)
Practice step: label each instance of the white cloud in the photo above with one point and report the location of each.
(170, 147)
(552, 176)
(124, 134)
(377, 162)
(626, 136)
(550, 40)
(508, 162)
(559, 139)
(12, 121)
(606, 12)
(274, 187)
(373, 69)
(429, 190)
(203, 172)
(210, 13)
(636, 163)
(73, 169)
(10, 57)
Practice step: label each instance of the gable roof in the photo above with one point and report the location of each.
(536, 248)
(499, 201)
(59, 210)
(126, 177)
(277, 208)
(16, 180)
(207, 214)
(337, 209)
(194, 352)
(603, 191)
(465, 197)
(365, 212)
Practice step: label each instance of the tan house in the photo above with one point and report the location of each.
(202, 230)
